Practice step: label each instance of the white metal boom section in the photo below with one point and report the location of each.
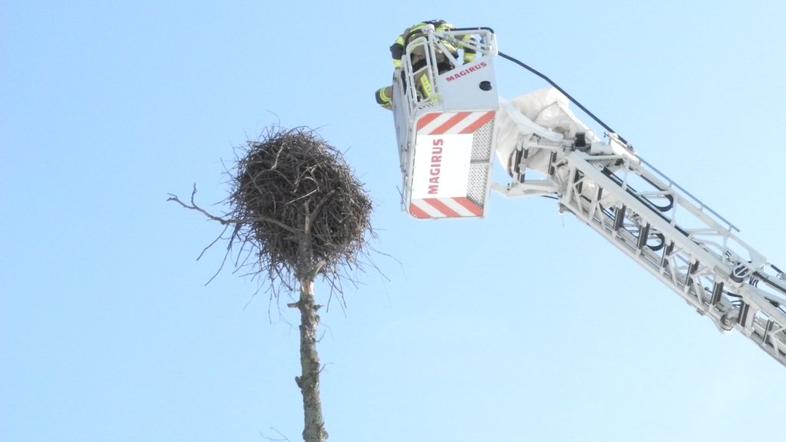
(658, 224)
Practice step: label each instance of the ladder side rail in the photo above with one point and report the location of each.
(672, 279)
(695, 282)
(697, 201)
(578, 160)
(753, 329)
(771, 301)
(711, 225)
(718, 228)
(729, 245)
(677, 276)
(716, 236)
(718, 261)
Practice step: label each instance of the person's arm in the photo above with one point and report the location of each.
(469, 52)
(397, 51)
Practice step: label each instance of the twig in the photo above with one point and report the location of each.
(281, 437)
(224, 221)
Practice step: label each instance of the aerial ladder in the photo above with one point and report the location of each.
(446, 141)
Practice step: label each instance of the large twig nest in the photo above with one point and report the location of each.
(297, 204)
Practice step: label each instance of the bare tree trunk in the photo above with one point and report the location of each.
(308, 381)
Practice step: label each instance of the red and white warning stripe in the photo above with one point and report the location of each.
(429, 208)
(436, 123)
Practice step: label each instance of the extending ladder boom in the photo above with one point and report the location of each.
(662, 227)
(447, 133)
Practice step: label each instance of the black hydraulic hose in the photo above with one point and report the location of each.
(668, 197)
(573, 100)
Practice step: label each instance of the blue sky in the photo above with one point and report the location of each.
(522, 326)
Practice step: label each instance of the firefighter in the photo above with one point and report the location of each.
(384, 95)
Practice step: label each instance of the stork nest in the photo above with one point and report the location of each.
(298, 206)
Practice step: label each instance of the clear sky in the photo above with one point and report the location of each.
(524, 326)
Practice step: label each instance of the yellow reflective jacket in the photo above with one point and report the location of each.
(397, 49)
